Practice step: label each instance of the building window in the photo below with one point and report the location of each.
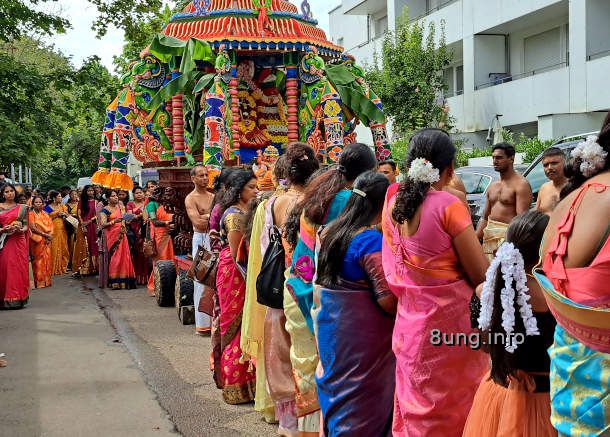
(448, 79)
(542, 51)
(381, 26)
(459, 80)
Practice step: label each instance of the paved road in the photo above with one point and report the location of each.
(66, 377)
(94, 383)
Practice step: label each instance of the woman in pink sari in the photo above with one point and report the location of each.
(85, 258)
(14, 273)
(236, 379)
(120, 268)
(432, 259)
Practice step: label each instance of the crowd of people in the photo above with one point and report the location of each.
(88, 231)
(346, 303)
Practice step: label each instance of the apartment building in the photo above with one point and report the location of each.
(541, 66)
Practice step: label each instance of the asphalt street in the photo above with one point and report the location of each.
(85, 361)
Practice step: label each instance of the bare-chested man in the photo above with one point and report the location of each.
(553, 162)
(198, 205)
(506, 198)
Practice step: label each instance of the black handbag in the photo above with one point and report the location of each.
(270, 280)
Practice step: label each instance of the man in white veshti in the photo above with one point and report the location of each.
(198, 205)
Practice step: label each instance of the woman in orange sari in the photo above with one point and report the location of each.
(59, 246)
(41, 226)
(162, 223)
(120, 268)
(14, 278)
(72, 206)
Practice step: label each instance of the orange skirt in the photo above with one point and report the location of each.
(516, 411)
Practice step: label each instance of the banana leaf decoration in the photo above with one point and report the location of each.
(352, 96)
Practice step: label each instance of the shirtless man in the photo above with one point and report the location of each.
(506, 198)
(198, 206)
(553, 162)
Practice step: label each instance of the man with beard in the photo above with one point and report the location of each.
(506, 198)
(553, 162)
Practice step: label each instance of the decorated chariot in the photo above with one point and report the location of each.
(226, 80)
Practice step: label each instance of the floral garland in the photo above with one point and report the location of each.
(512, 267)
(421, 170)
(592, 156)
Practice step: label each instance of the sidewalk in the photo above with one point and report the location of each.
(66, 377)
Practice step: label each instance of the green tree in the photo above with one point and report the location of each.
(410, 80)
(18, 17)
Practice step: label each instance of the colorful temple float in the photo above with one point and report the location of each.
(227, 79)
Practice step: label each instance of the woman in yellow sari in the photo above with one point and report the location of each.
(59, 246)
(72, 206)
(41, 226)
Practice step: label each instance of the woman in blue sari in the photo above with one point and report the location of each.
(575, 275)
(355, 377)
(323, 200)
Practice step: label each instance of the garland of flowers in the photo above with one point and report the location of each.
(592, 156)
(512, 267)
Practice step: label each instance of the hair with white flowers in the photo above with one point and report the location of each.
(506, 313)
(591, 155)
(510, 263)
(431, 151)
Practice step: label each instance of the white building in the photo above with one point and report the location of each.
(540, 64)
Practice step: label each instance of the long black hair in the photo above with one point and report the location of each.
(302, 162)
(572, 168)
(52, 195)
(234, 186)
(84, 199)
(525, 232)
(359, 212)
(355, 159)
(435, 146)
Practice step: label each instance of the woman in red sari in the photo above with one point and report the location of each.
(120, 268)
(236, 379)
(136, 226)
(14, 270)
(41, 226)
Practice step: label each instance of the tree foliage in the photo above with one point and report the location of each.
(410, 78)
(51, 114)
(17, 17)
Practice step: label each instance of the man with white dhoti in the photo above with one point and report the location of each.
(198, 206)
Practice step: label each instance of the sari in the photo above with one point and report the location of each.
(72, 209)
(14, 270)
(120, 269)
(141, 264)
(355, 377)
(86, 251)
(237, 378)
(163, 240)
(101, 245)
(298, 302)
(435, 383)
(252, 341)
(40, 249)
(59, 245)
(580, 354)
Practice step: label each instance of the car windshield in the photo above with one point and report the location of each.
(475, 183)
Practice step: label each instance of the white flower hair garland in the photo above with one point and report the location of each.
(592, 155)
(421, 170)
(512, 267)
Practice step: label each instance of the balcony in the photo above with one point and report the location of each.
(363, 7)
(500, 78)
(521, 101)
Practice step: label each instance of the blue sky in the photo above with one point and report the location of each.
(80, 41)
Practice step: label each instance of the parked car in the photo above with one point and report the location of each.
(477, 180)
(535, 172)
